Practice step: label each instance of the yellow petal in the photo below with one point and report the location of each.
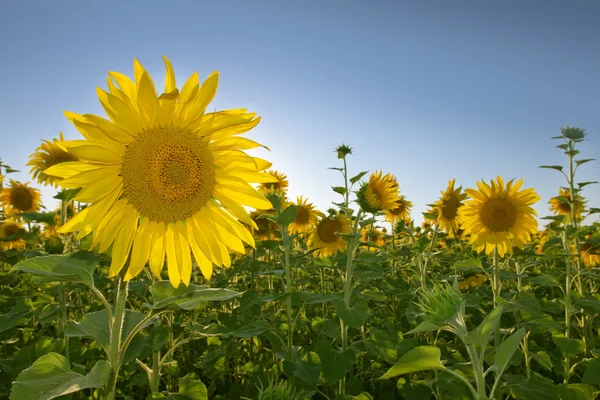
(140, 250)
(157, 254)
(172, 247)
(170, 83)
(123, 242)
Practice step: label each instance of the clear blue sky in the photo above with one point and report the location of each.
(429, 91)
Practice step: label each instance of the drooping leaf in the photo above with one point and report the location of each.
(47, 218)
(190, 389)
(422, 358)
(354, 316)
(481, 335)
(18, 315)
(287, 216)
(50, 377)
(164, 295)
(357, 177)
(507, 349)
(308, 369)
(335, 364)
(569, 347)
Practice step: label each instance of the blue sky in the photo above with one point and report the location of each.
(428, 91)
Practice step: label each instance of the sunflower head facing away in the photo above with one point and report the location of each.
(164, 179)
(277, 185)
(323, 237)
(590, 254)
(564, 207)
(446, 208)
(380, 193)
(370, 234)
(306, 216)
(8, 228)
(499, 216)
(20, 198)
(264, 229)
(48, 154)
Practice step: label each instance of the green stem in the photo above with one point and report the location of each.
(288, 290)
(462, 378)
(62, 298)
(426, 262)
(114, 354)
(477, 370)
(155, 376)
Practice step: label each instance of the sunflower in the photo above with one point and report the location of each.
(446, 208)
(306, 216)
(323, 237)
(565, 208)
(400, 211)
(278, 185)
(10, 227)
(590, 254)
(540, 240)
(163, 177)
(372, 235)
(47, 155)
(380, 193)
(472, 281)
(20, 198)
(499, 216)
(264, 228)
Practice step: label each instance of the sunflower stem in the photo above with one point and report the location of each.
(114, 353)
(288, 290)
(496, 291)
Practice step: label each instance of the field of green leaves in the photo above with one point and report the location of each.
(252, 295)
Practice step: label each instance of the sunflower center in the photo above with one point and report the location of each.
(450, 207)
(498, 215)
(327, 230)
(11, 229)
(168, 174)
(21, 198)
(301, 215)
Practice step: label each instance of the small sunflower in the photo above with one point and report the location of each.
(499, 216)
(278, 185)
(48, 154)
(472, 281)
(446, 208)
(324, 238)
(380, 193)
(590, 254)
(400, 211)
(372, 235)
(20, 198)
(264, 228)
(540, 240)
(8, 228)
(565, 208)
(163, 177)
(306, 217)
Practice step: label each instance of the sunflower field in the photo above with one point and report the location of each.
(177, 267)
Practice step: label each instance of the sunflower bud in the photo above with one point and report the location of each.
(343, 151)
(278, 391)
(54, 245)
(441, 304)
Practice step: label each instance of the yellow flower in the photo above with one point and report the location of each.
(499, 216)
(540, 238)
(370, 234)
(565, 208)
(400, 210)
(590, 254)
(47, 155)
(472, 281)
(163, 176)
(380, 193)
(277, 185)
(8, 228)
(446, 209)
(20, 198)
(264, 228)
(306, 217)
(324, 238)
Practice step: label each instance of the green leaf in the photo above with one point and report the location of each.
(9, 170)
(537, 388)
(507, 349)
(543, 358)
(424, 326)
(582, 184)
(468, 265)
(95, 326)
(190, 389)
(18, 315)
(340, 189)
(591, 375)
(357, 177)
(569, 347)
(76, 267)
(287, 216)
(67, 194)
(50, 377)
(355, 316)
(164, 295)
(542, 280)
(482, 334)
(556, 167)
(47, 218)
(251, 330)
(421, 358)
(308, 369)
(329, 327)
(579, 162)
(577, 391)
(334, 364)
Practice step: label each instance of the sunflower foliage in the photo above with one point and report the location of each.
(177, 266)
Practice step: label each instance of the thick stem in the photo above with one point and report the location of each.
(114, 354)
(477, 370)
(496, 289)
(155, 376)
(62, 298)
(288, 290)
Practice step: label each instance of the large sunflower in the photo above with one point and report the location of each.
(278, 185)
(8, 228)
(20, 198)
(499, 216)
(306, 216)
(565, 208)
(324, 238)
(400, 211)
(380, 193)
(164, 177)
(446, 208)
(48, 154)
